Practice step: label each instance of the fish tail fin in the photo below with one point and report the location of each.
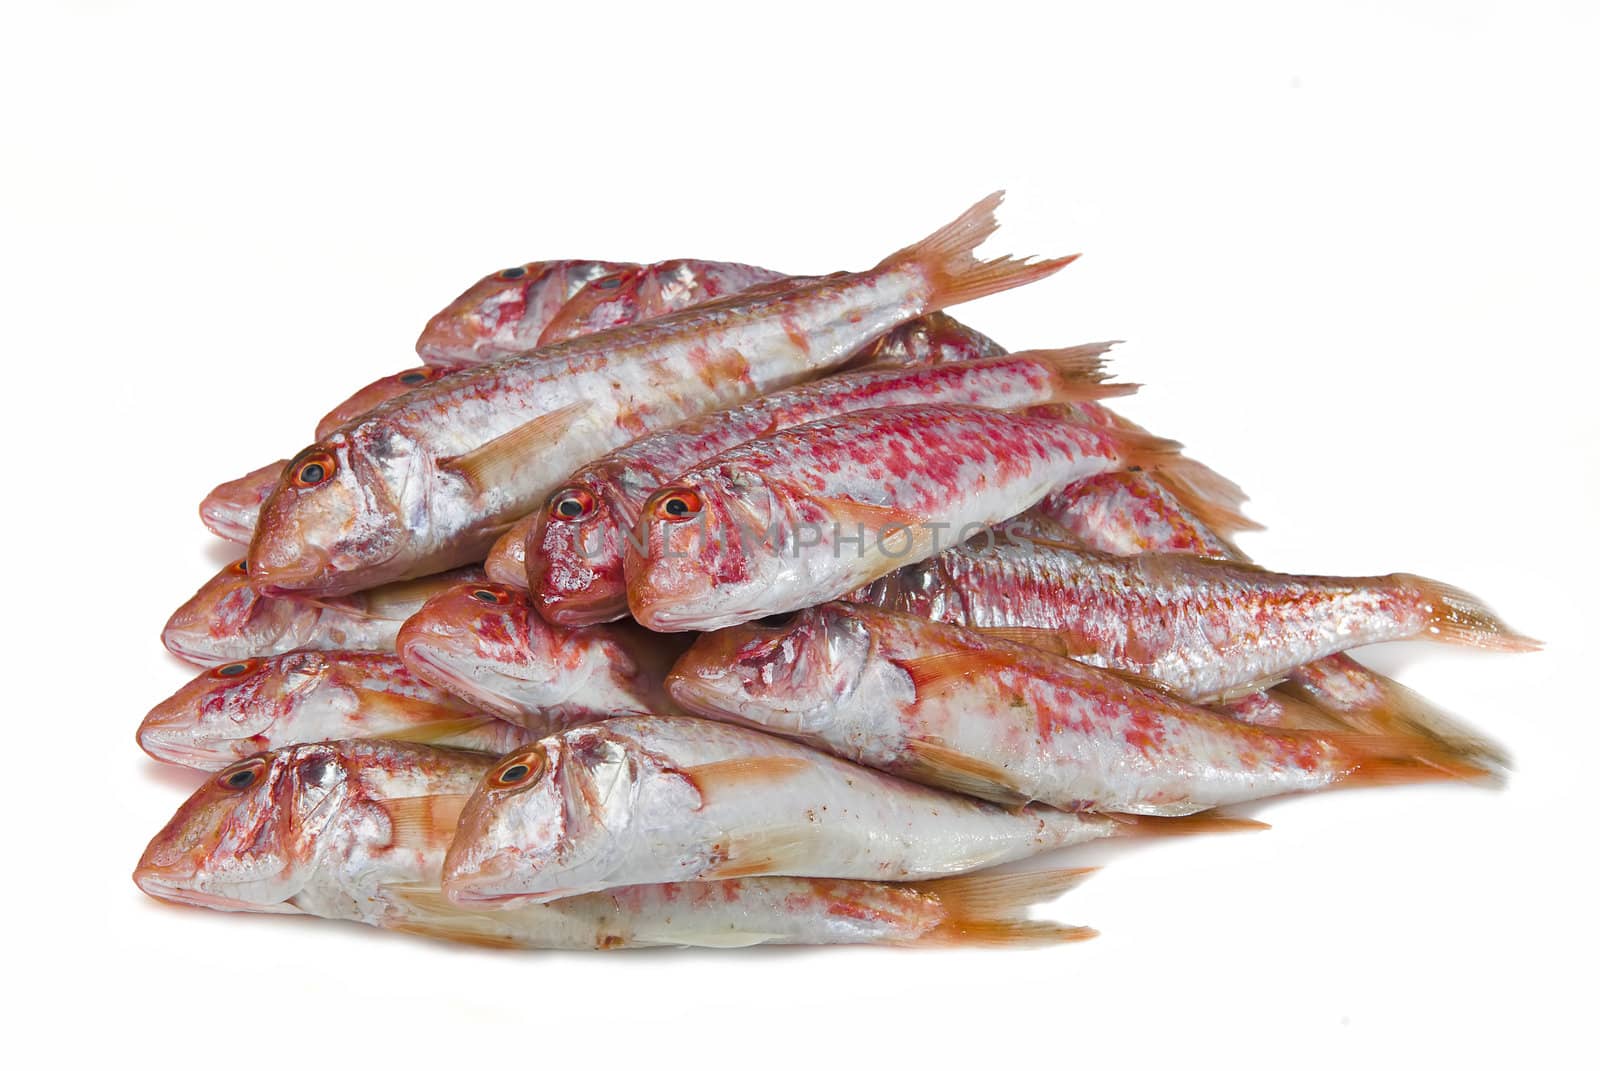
(1080, 372)
(1402, 760)
(1454, 616)
(1216, 501)
(954, 274)
(1356, 699)
(991, 909)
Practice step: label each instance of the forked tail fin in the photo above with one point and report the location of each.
(954, 274)
(1455, 616)
(1402, 760)
(1081, 371)
(991, 909)
(1362, 701)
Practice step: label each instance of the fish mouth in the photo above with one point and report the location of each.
(446, 675)
(229, 521)
(308, 569)
(201, 649)
(160, 883)
(170, 745)
(593, 607)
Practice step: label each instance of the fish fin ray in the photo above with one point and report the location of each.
(497, 461)
(1456, 616)
(933, 763)
(954, 274)
(713, 777)
(990, 909)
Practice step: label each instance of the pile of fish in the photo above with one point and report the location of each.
(691, 603)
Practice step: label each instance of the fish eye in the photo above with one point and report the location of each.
(234, 669)
(493, 596)
(519, 769)
(412, 378)
(571, 504)
(513, 273)
(242, 567)
(239, 778)
(313, 467)
(676, 504)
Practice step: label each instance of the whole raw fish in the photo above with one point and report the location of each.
(483, 642)
(228, 619)
(642, 800)
(429, 480)
(962, 710)
(504, 313)
(576, 548)
(930, 340)
(1103, 515)
(646, 291)
(237, 709)
(357, 830)
(810, 513)
(1209, 629)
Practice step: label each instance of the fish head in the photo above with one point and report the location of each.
(558, 818)
(231, 508)
(506, 312)
(789, 673)
(229, 712)
(247, 839)
(576, 554)
(705, 552)
(375, 394)
(341, 511)
(483, 641)
(611, 300)
(229, 619)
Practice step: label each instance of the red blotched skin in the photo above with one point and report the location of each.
(483, 642)
(766, 527)
(576, 549)
(1205, 627)
(1129, 513)
(958, 709)
(506, 312)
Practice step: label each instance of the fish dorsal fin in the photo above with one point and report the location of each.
(498, 461)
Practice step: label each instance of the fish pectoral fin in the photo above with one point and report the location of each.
(423, 822)
(498, 461)
(933, 763)
(755, 771)
(947, 669)
(434, 730)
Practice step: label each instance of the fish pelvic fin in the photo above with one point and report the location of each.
(954, 275)
(991, 909)
(1455, 616)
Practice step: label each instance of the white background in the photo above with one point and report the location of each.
(1352, 249)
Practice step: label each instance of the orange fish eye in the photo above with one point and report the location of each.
(493, 596)
(677, 504)
(242, 776)
(314, 466)
(242, 567)
(236, 669)
(571, 504)
(415, 376)
(513, 273)
(523, 769)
